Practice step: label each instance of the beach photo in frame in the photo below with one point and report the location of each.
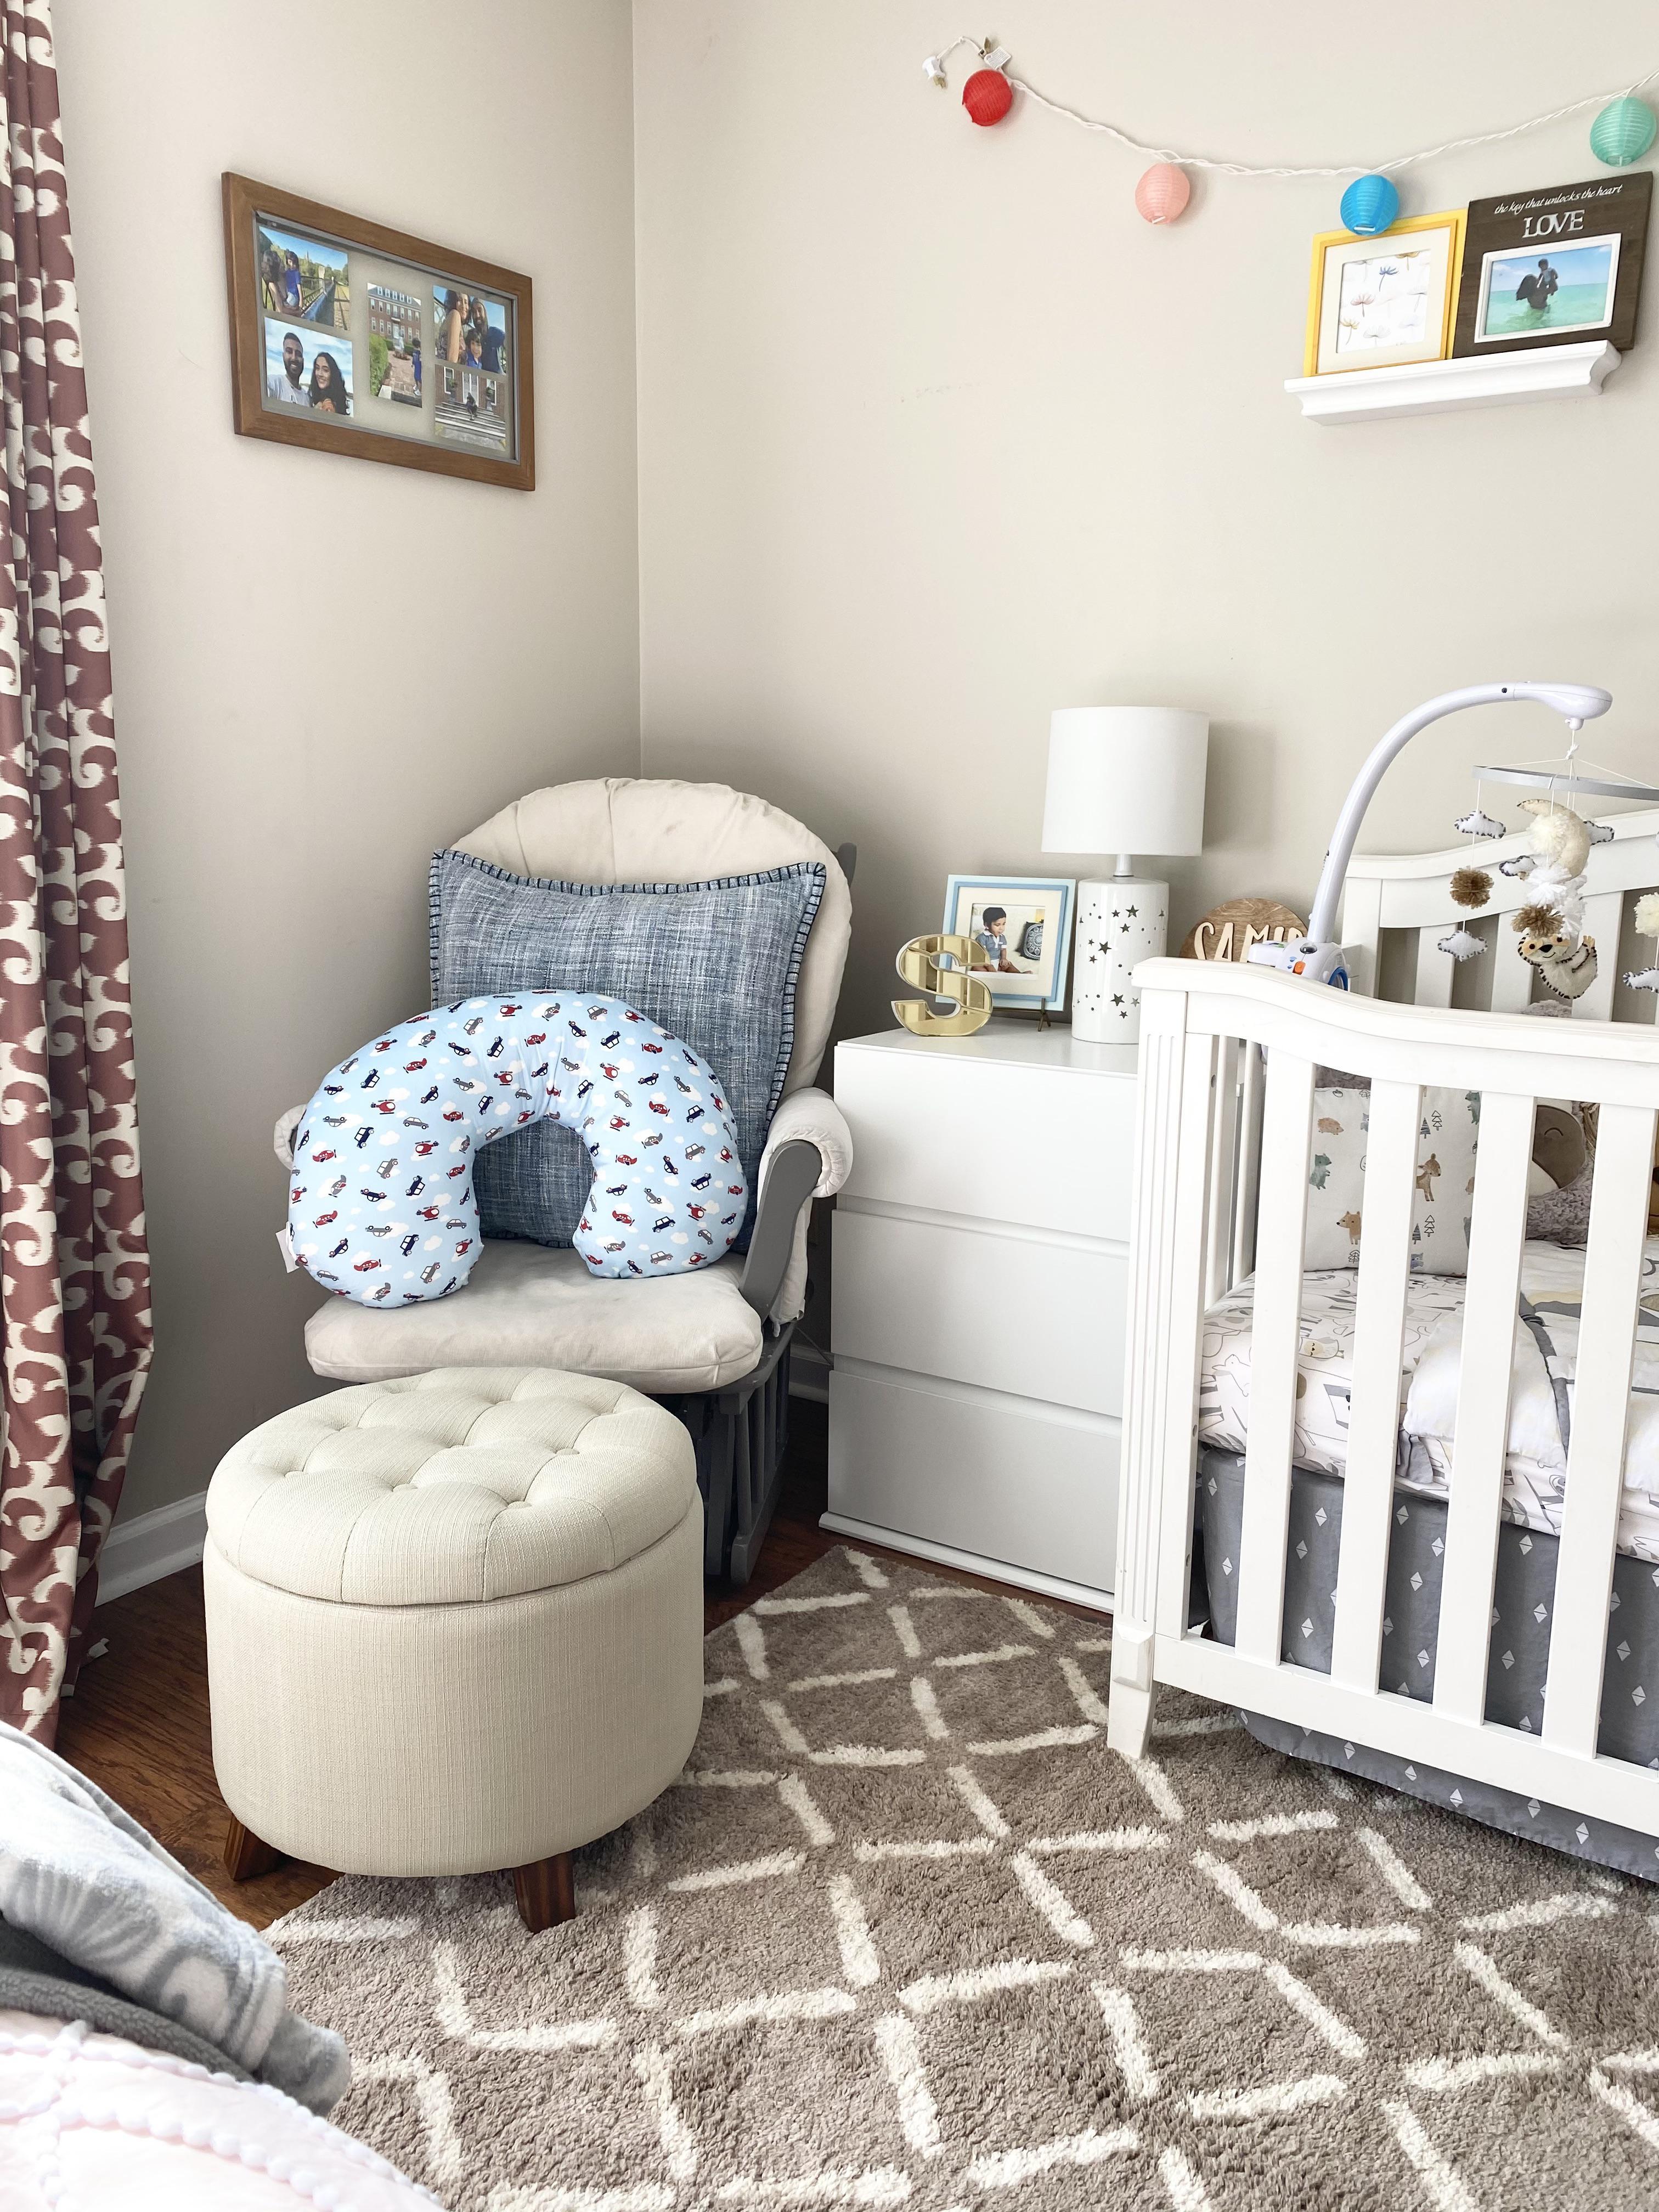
(1376, 302)
(350, 337)
(1558, 266)
(1021, 930)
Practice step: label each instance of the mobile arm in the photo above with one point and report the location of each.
(1578, 702)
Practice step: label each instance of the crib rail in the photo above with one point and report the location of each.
(1228, 1058)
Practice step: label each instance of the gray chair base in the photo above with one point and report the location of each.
(740, 1434)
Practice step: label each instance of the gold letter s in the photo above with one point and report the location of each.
(923, 962)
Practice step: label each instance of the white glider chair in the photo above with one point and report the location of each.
(713, 1346)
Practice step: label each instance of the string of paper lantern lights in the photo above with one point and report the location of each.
(1621, 133)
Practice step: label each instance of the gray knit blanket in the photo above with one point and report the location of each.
(82, 1876)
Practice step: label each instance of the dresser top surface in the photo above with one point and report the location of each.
(1007, 1044)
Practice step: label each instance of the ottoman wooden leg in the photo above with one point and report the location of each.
(246, 1855)
(546, 1893)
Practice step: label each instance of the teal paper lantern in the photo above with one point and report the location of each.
(1369, 205)
(1622, 132)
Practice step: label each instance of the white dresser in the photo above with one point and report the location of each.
(980, 1280)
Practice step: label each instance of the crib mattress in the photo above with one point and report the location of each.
(1523, 1596)
(1540, 1406)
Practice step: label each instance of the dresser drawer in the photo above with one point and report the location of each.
(1036, 1320)
(1028, 1488)
(1047, 1148)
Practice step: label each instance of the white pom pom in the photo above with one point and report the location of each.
(1647, 915)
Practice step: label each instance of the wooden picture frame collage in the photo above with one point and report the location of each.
(347, 337)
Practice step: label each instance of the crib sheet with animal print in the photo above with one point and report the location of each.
(1442, 1182)
(1541, 1394)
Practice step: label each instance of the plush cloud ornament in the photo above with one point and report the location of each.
(381, 1207)
(1647, 924)
(1462, 944)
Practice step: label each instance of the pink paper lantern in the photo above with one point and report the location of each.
(1163, 193)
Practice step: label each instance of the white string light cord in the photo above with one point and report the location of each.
(933, 68)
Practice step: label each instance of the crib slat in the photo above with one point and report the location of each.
(1374, 1407)
(1249, 1139)
(1275, 1330)
(1603, 918)
(1362, 928)
(1601, 1415)
(1490, 1318)
(1199, 1093)
(1224, 1158)
(1511, 978)
(1434, 968)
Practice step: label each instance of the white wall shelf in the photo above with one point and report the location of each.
(1435, 387)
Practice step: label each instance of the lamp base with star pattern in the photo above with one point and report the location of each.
(1120, 923)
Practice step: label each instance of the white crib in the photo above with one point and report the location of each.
(1228, 1060)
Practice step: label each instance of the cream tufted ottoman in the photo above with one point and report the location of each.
(454, 1623)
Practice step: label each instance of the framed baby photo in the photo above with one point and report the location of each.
(1560, 266)
(348, 338)
(1021, 930)
(1376, 302)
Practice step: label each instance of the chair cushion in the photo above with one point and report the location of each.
(631, 829)
(715, 963)
(526, 1306)
(462, 1486)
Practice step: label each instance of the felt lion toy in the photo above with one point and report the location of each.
(1563, 957)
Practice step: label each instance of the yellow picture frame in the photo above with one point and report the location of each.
(1335, 250)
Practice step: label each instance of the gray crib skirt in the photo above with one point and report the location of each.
(1522, 1599)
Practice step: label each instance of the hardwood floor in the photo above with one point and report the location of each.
(138, 1723)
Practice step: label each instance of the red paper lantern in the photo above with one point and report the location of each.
(987, 96)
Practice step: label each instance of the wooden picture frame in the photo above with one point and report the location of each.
(467, 414)
(1436, 241)
(1589, 240)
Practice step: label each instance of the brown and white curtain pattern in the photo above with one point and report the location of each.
(75, 1325)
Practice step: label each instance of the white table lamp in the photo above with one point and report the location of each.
(1123, 780)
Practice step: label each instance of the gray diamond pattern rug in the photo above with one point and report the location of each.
(906, 1933)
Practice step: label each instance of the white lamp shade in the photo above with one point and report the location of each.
(1126, 780)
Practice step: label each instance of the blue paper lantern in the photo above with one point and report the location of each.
(1370, 205)
(1622, 132)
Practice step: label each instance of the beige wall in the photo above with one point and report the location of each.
(322, 668)
(936, 435)
(933, 435)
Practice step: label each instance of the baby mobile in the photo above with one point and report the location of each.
(1620, 134)
(1551, 924)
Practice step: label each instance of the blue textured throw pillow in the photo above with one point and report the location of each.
(715, 963)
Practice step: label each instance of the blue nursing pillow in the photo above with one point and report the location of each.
(381, 1207)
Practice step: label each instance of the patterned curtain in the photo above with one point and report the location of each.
(74, 1327)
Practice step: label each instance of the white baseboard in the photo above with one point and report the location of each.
(151, 1545)
(948, 1555)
